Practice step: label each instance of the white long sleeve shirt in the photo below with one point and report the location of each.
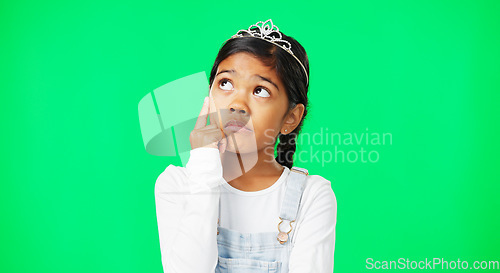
(187, 209)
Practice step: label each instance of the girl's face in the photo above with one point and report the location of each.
(246, 91)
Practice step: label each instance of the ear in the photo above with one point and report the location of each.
(292, 119)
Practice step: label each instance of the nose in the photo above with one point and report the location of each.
(242, 111)
(239, 104)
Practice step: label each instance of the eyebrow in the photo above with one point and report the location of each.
(232, 71)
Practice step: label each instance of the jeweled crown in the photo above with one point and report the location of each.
(269, 32)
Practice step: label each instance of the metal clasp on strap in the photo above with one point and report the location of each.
(299, 170)
(283, 236)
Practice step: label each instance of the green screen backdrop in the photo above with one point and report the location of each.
(77, 185)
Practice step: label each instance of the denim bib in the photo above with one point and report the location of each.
(263, 252)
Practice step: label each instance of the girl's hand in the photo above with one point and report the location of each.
(204, 135)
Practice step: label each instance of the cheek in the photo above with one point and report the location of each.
(218, 108)
(266, 128)
(267, 137)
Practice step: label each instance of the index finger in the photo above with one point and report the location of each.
(217, 111)
(202, 117)
(212, 107)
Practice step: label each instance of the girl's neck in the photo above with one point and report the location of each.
(250, 171)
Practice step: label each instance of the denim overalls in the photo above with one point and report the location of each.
(263, 252)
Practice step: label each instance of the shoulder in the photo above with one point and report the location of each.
(317, 214)
(317, 185)
(318, 193)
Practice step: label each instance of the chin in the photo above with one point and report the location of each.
(241, 143)
(241, 150)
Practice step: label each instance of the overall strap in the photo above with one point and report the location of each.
(290, 205)
(293, 193)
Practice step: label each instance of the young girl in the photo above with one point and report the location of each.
(236, 207)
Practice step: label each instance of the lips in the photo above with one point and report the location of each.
(236, 125)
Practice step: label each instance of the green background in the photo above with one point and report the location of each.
(78, 187)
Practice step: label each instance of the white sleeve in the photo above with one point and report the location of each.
(187, 204)
(314, 246)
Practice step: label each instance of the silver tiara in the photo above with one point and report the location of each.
(267, 31)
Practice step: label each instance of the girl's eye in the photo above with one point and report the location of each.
(264, 94)
(224, 84)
